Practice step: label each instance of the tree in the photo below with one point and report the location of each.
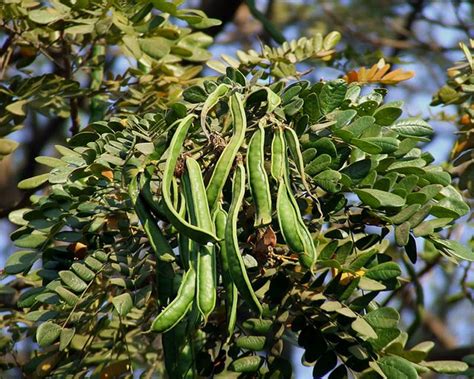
(202, 231)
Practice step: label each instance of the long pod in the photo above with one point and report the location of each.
(226, 160)
(158, 243)
(278, 155)
(258, 178)
(231, 294)
(179, 307)
(220, 91)
(295, 150)
(237, 269)
(206, 260)
(195, 233)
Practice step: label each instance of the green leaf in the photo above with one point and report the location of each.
(7, 146)
(195, 94)
(156, 47)
(253, 343)
(368, 284)
(396, 367)
(47, 333)
(412, 127)
(386, 145)
(384, 271)
(366, 146)
(17, 108)
(45, 16)
(69, 297)
(402, 233)
(455, 248)
(376, 198)
(328, 180)
(20, 261)
(65, 338)
(318, 164)
(30, 241)
(50, 161)
(73, 281)
(246, 364)
(363, 328)
(446, 367)
(331, 40)
(332, 95)
(123, 304)
(33, 182)
(388, 113)
(384, 317)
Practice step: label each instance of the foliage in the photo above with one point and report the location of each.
(77, 38)
(459, 90)
(200, 232)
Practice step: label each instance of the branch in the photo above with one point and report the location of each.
(416, 9)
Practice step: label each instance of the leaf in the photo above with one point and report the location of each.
(396, 367)
(123, 304)
(455, 248)
(195, 94)
(246, 364)
(50, 161)
(331, 40)
(156, 47)
(47, 333)
(376, 198)
(370, 284)
(388, 113)
(30, 241)
(7, 146)
(45, 16)
(402, 233)
(20, 261)
(325, 363)
(378, 73)
(446, 367)
(17, 108)
(384, 317)
(384, 271)
(318, 164)
(412, 127)
(386, 144)
(66, 338)
(33, 182)
(328, 180)
(72, 280)
(363, 328)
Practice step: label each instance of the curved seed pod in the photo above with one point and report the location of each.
(294, 146)
(220, 91)
(287, 219)
(147, 195)
(206, 263)
(294, 231)
(179, 307)
(237, 269)
(183, 241)
(258, 179)
(226, 160)
(231, 294)
(193, 232)
(278, 155)
(159, 244)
